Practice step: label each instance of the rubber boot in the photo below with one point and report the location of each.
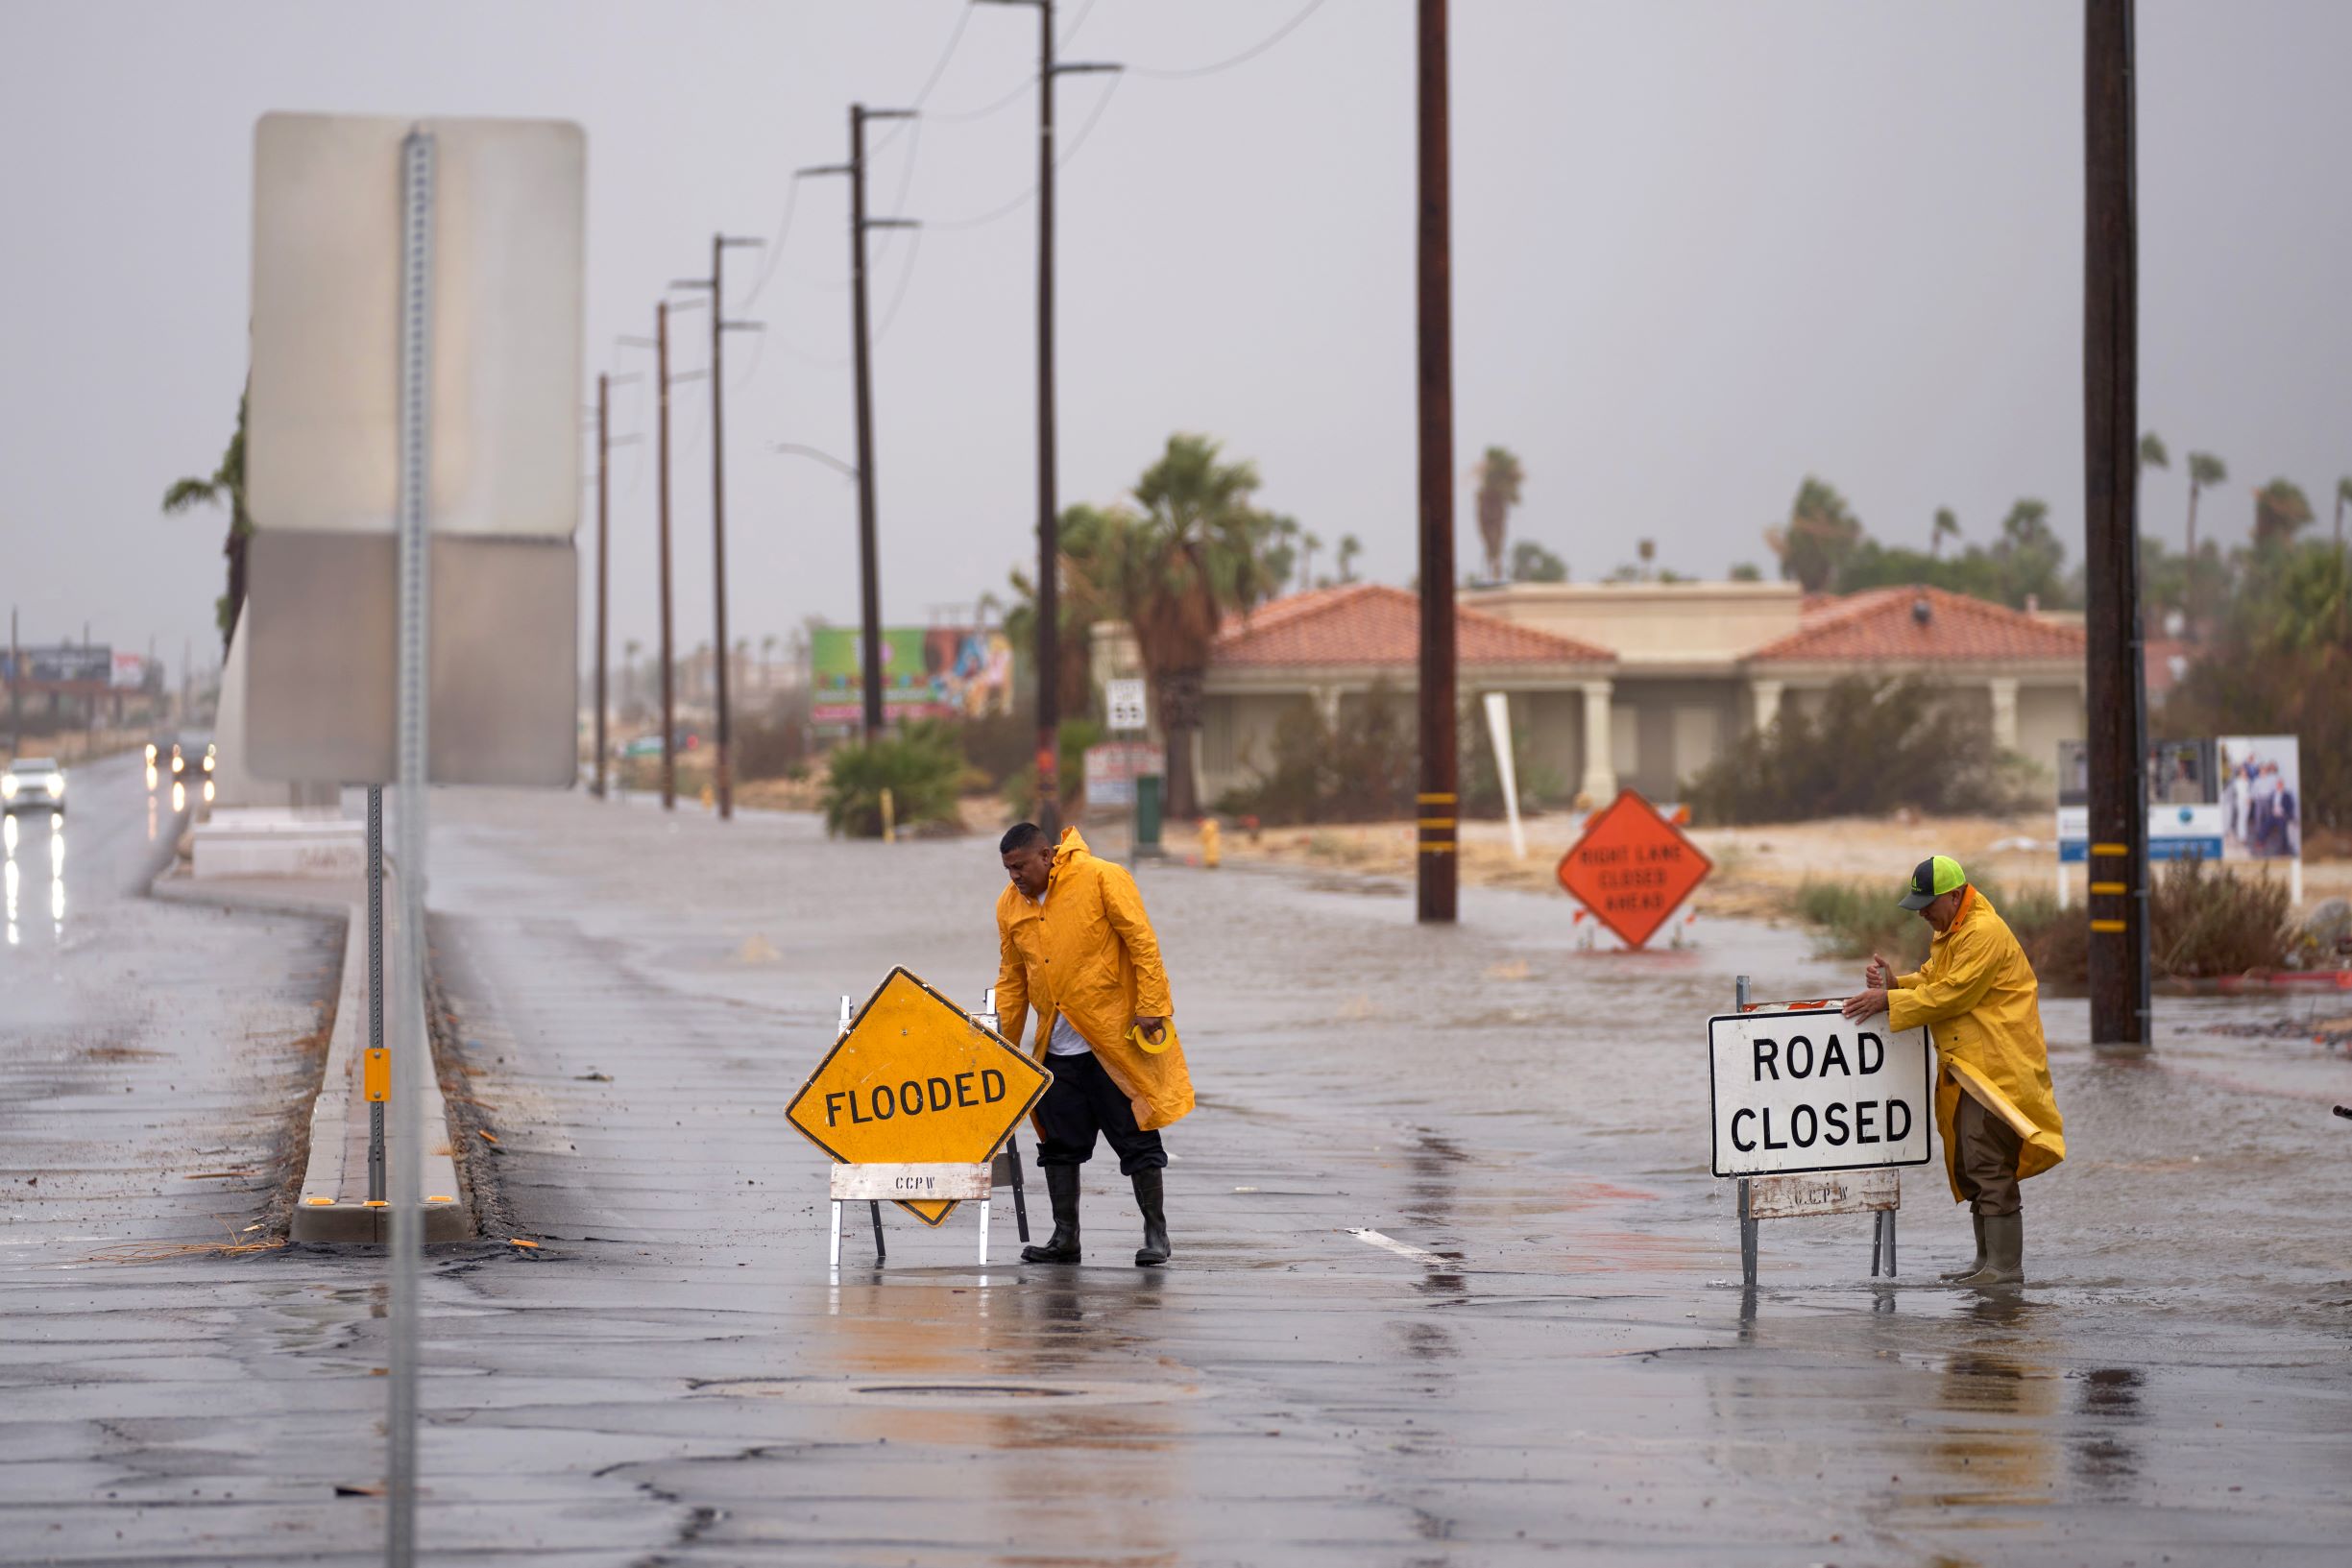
(1062, 1186)
(1967, 1269)
(2004, 1248)
(1155, 1250)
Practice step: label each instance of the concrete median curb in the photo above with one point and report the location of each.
(333, 1204)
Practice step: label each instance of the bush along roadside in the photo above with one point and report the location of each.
(923, 767)
(2203, 921)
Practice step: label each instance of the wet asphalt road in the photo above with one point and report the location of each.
(1538, 1352)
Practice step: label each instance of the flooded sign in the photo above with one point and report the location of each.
(916, 1081)
(1632, 868)
(1801, 1091)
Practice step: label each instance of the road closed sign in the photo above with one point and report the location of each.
(1632, 868)
(916, 1081)
(1813, 1090)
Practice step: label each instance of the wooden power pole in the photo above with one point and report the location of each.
(1438, 800)
(869, 580)
(669, 711)
(604, 551)
(2117, 685)
(723, 765)
(1048, 504)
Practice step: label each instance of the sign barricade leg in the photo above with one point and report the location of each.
(985, 1205)
(835, 1263)
(881, 1252)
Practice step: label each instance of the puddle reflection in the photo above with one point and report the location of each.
(13, 876)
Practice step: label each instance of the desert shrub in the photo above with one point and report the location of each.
(1000, 745)
(771, 741)
(1482, 780)
(923, 768)
(1360, 770)
(2203, 921)
(1875, 747)
(1070, 738)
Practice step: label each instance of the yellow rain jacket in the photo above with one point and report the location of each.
(1089, 953)
(1976, 995)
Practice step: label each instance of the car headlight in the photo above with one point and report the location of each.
(208, 761)
(7, 787)
(57, 784)
(178, 761)
(150, 754)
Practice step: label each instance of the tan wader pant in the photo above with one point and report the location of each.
(1985, 1151)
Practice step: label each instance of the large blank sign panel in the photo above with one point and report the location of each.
(1812, 1090)
(507, 203)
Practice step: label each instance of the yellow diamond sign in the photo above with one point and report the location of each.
(916, 1081)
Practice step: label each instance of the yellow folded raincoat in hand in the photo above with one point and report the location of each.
(1089, 953)
(1977, 998)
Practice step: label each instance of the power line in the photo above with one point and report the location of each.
(1249, 53)
(981, 219)
(963, 19)
(1077, 22)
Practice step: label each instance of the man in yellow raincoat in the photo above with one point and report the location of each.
(1077, 946)
(1994, 1103)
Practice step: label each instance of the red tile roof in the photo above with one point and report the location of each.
(1878, 624)
(1372, 623)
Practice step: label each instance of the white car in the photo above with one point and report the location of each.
(32, 783)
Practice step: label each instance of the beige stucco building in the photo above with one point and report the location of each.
(1631, 684)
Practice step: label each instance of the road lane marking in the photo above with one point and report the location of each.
(1419, 1255)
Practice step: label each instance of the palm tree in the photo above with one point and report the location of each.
(1308, 545)
(2343, 497)
(227, 483)
(2153, 453)
(1499, 481)
(1817, 536)
(2280, 508)
(1090, 537)
(2204, 468)
(1352, 546)
(1196, 551)
(629, 649)
(1947, 525)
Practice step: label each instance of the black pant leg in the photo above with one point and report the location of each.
(1137, 1149)
(1066, 1119)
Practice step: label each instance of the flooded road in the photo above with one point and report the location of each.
(1451, 1281)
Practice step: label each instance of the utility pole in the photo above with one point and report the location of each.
(669, 711)
(604, 551)
(605, 443)
(725, 771)
(869, 584)
(2116, 684)
(1438, 800)
(16, 675)
(1049, 515)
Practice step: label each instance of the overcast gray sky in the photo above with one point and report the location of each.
(1700, 250)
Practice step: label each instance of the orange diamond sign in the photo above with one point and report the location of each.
(915, 1081)
(1632, 868)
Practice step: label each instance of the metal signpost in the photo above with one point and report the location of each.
(914, 1080)
(1814, 1114)
(412, 549)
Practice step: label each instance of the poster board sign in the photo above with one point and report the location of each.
(2262, 797)
(1112, 768)
(1798, 1090)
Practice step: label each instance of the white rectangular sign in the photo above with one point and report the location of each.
(1124, 699)
(1812, 1090)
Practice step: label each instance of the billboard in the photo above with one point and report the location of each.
(927, 672)
(2187, 814)
(2262, 797)
(73, 663)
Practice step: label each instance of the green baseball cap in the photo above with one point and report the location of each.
(1930, 879)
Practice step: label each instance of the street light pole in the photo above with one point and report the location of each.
(1439, 800)
(2115, 674)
